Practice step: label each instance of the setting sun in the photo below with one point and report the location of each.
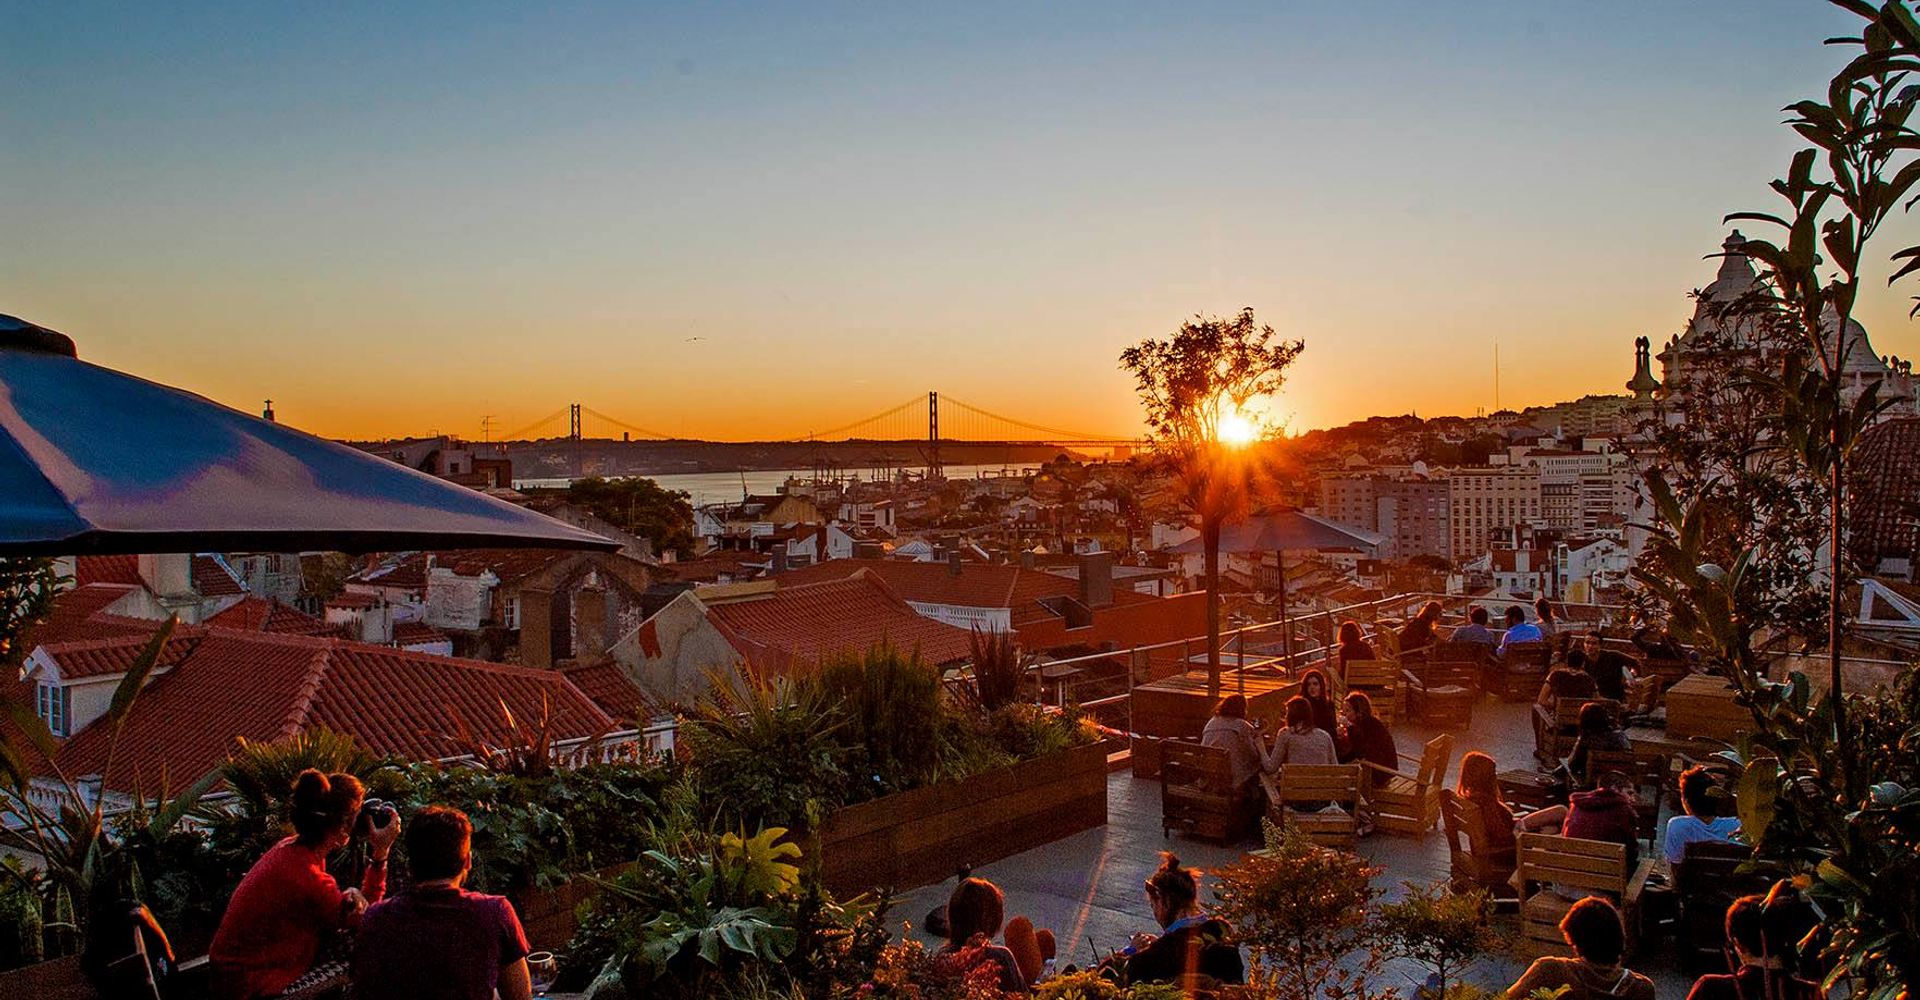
(1236, 430)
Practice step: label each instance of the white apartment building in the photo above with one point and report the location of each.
(1490, 499)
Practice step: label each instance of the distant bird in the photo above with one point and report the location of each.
(692, 339)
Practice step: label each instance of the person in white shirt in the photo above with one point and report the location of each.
(1702, 822)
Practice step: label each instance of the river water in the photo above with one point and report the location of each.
(718, 487)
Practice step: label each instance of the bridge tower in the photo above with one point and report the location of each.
(573, 440)
(934, 469)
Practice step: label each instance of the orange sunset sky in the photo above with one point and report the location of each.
(749, 224)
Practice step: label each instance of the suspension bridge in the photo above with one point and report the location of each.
(931, 419)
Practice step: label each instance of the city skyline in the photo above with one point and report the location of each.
(807, 220)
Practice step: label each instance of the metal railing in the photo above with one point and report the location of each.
(1287, 661)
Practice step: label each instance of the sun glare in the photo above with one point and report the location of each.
(1237, 431)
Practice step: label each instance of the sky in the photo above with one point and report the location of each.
(736, 221)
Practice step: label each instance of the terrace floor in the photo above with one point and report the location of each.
(1087, 887)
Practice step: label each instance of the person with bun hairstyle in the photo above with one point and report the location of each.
(287, 904)
(1192, 950)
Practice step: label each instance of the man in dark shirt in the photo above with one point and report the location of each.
(1609, 813)
(436, 940)
(1612, 672)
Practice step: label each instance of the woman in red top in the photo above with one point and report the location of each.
(288, 904)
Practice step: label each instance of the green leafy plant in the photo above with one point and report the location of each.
(1191, 385)
(715, 914)
(766, 752)
(62, 820)
(891, 710)
(997, 667)
(1307, 915)
(1443, 930)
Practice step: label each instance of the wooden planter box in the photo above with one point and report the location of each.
(925, 835)
(547, 915)
(59, 979)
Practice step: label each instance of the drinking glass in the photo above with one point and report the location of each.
(543, 969)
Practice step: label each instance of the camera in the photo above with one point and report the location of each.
(375, 814)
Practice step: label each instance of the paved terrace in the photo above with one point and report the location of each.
(1087, 887)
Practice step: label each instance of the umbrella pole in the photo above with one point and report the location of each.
(1286, 629)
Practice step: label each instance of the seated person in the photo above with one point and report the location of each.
(1761, 943)
(1230, 730)
(437, 939)
(1476, 630)
(1353, 645)
(1301, 742)
(287, 903)
(1701, 798)
(1592, 928)
(1550, 631)
(1368, 739)
(1598, 731)
(1612, 671)
(1418, 632)
(1193, 949)
(1313, 687)
(975, 911)
(1567, 681)
(1479, 788)
(1610, 812)
(1519, 630)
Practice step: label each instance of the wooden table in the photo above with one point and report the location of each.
(1178, 706)
(1703, 705)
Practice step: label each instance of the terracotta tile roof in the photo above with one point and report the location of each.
(81, 614)
(107, 569)
(510, 565)
(607, 683)
(710, 567)
(106, 657)
(806, 622)
(977, 585)
(352, 599)
(407, 573)
(211, 579)
(263, 686)
(417, 634)
(261, 614)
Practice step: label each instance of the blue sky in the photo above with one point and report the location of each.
(396, 220)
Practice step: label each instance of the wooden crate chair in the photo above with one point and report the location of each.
(1705, 882)
(1472, 864)
(1590, 867)
(1517, 675)
(1380, 679)
(1197, 796)
(1409, 804)
(1301, 786)
(1555, 729)
(1441, 693)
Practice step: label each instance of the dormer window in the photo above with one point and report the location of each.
(54, 704)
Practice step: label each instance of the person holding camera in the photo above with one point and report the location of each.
(436, 940)
(287, 904)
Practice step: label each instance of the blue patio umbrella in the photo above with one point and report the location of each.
(95, 461)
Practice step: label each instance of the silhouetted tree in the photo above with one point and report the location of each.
(1208, 372)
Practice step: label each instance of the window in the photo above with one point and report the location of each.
(510, 613)
(54, 704)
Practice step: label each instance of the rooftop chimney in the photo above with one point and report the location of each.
(953, 560)
(1028, 560)
(779, 560)
(1096, 579)
(267, 413)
